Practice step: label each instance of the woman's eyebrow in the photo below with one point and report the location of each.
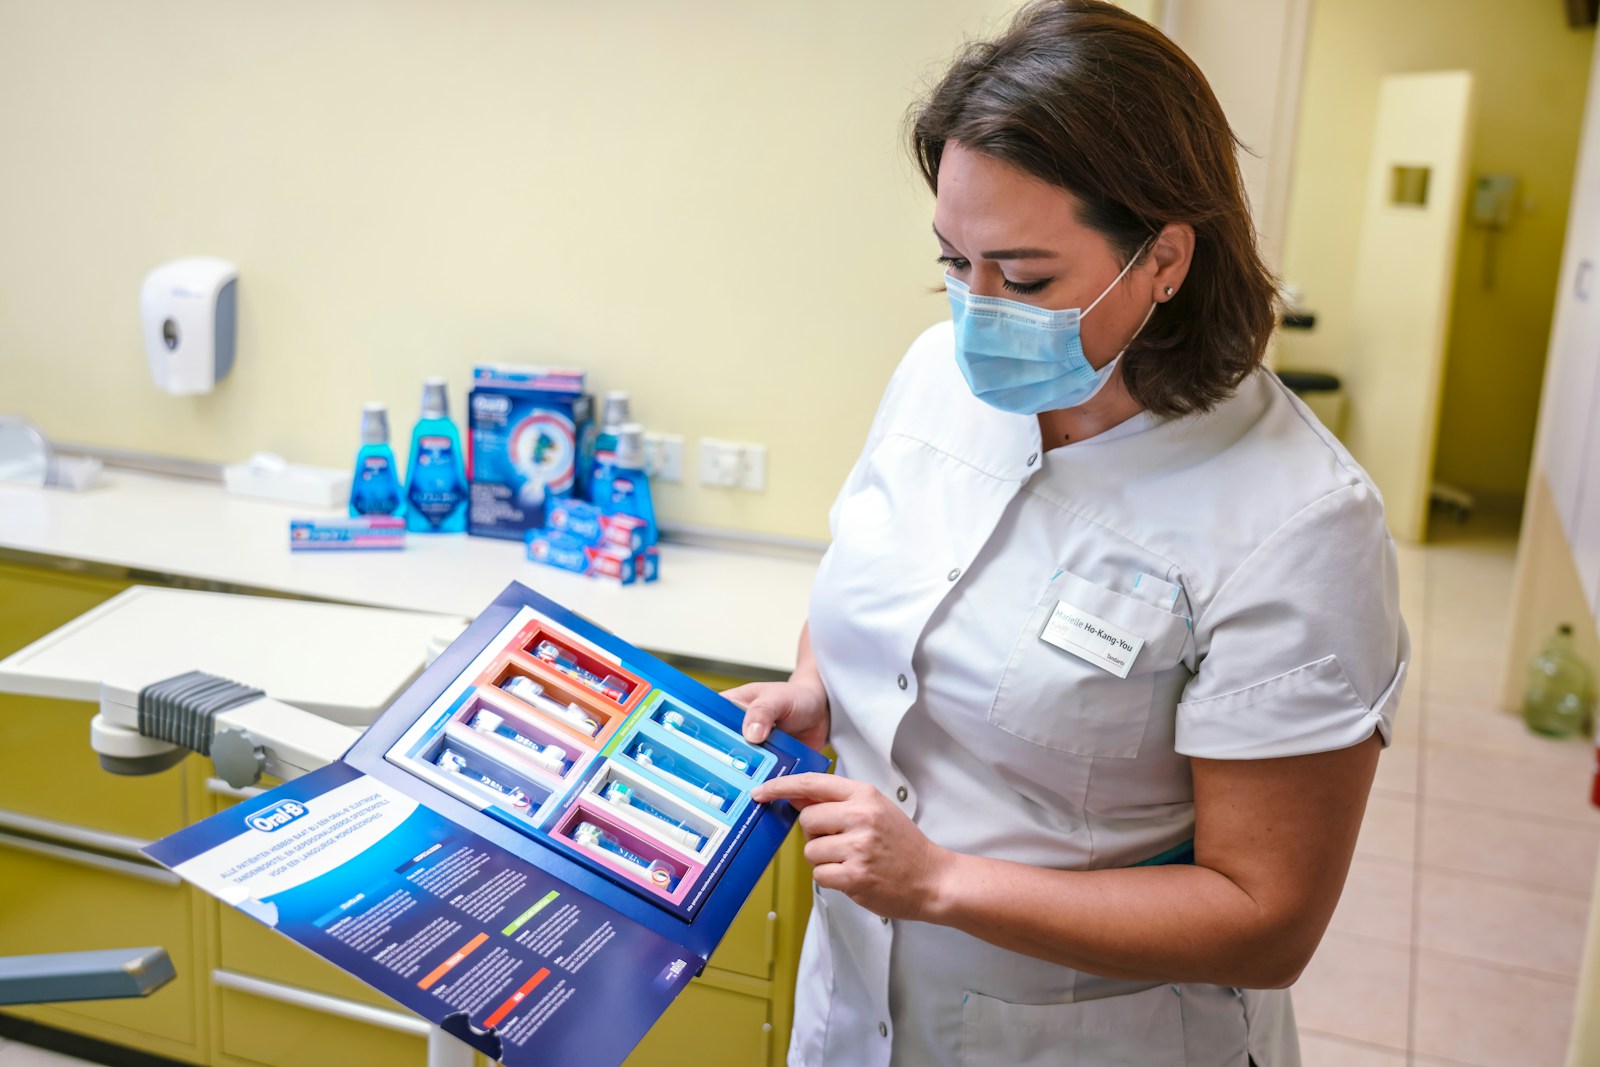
(1006, 253)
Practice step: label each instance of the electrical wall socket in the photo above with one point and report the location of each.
(733, 465)
(663, 456)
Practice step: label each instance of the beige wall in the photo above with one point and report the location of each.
(1530, 73)
(706, 202)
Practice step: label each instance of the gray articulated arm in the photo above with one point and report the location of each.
(104, 975)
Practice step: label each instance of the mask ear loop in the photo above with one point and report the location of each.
(1137, 255)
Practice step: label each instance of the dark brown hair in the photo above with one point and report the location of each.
(1090, 98)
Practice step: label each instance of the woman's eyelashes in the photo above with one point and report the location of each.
(959, 266)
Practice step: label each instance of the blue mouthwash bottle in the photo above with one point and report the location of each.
(614, 414)
(436, 487)
(622, 487)
(375, 485)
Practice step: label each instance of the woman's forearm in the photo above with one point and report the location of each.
(1273, 839)
(805, 667)
(1179, 923)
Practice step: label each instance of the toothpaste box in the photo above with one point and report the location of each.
(557, 548)
(531, 436)
(587, 522)
(347, 534)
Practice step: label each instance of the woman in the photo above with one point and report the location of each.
(1107, 640)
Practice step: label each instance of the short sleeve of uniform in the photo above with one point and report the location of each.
(921, 351)
(1302, 648)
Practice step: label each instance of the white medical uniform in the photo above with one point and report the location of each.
(1247, 551)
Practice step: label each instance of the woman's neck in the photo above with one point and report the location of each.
(1111, 406)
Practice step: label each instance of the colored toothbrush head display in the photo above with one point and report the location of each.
(551, 757)
(532, 693)
(685, 778)
(674, 721)
(555, 656)
(592, 837)
(622, 795)
(453, 762)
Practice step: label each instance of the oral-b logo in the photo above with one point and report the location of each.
(275, 818)
(490, 404)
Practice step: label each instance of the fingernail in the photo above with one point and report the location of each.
(753, 732)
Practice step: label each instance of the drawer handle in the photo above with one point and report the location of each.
(78, 836)
(90, 859)
(304, 998)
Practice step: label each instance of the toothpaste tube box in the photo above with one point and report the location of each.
(530, 434)
(347, 534)
(588, 523)
(648, 564)
(557, 548)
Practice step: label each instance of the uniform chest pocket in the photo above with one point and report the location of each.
(1073, 700)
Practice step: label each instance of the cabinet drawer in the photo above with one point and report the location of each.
(747, 947)
(280, 1026)
(708, 1027)
(52, 773)
(36, 600)
(246, 947)
(72, 900)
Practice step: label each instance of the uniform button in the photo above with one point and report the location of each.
(955, 572)
(901, 793)
(884, 919)
(1034, 458)
(883, 1029)
(901, 681)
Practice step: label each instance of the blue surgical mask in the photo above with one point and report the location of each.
(1024, 359)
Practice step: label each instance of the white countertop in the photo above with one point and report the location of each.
(298, 652)
(743, 609)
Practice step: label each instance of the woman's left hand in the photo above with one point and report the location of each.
(860, 843)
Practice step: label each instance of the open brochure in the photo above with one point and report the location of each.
(535, 847)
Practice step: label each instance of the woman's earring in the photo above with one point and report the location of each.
(1169, 291)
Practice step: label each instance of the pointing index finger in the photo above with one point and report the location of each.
(802, 789)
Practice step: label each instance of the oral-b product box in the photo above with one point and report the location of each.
(530, 430)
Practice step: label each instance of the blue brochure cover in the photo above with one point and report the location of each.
(535, 847)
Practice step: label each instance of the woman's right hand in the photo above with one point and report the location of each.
(797, 708)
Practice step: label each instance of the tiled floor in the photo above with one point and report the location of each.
(1457, 941)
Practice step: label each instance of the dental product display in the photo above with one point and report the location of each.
(614, 412)
(583, 538)
(681, 774)
(532, 445)
(622, 487)
(621, 794)
(457, 764)
(364, 532)
(375, 485)
(566, 552)
(531, 692)
(536, 847)
(436, 481)
(610, 686)
(551, 757)
(675, 722)
(591, 836)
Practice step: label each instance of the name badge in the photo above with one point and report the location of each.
(1092, 638)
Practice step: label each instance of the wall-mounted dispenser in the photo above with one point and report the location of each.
(189, 311)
